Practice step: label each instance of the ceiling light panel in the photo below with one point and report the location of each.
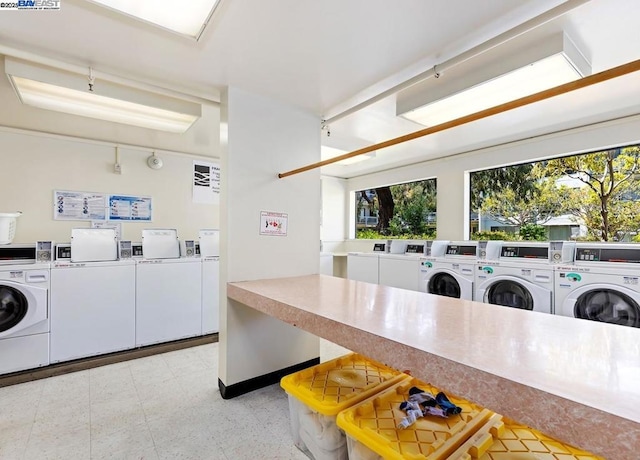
(186, 18)
(327, 153)
(551, 63)
(61, 91)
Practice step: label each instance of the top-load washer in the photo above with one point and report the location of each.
(364, 266)
(168, 290)
(92, 295)
(210, 258)
(519, 274)
(24, 306)
(602, 284)
(449, 270)
(402, 269)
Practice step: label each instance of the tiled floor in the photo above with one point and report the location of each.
(161, 407)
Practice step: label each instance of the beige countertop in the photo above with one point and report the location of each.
(575, 380)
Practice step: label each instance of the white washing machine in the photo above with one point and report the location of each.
(92, 296)
(24, 308)
(210, 258)
(519, 274)
(402, 270)
(450, 269)
(603, 284)
(364, 266)
(168, 290)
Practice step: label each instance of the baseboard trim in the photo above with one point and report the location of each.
(103, 360)
(261, 381)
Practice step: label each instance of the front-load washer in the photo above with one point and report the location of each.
(364, 266)
(521, 276)
(92, 296)
(603, 284)
(168, 290)
(24, 308)
(402, 270)
(210, 260)
(449, 270)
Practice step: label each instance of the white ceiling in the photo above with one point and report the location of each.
(325, 56)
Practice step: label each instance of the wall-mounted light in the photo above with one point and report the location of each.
(62, 91)
(547, 64)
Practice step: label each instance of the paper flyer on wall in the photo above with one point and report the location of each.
(70, 205)
(273, 223)
(206, 182)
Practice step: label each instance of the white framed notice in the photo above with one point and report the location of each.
(273, 223)
(68, 205)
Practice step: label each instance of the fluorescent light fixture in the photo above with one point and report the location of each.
(330, 152)
(62, 91)
(186, 18)
(545, 66)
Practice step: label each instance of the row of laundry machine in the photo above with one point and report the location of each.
(593, 281)
(97, 295)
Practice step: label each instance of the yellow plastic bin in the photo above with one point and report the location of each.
(373, 433)
(504, 439)
(319, 393)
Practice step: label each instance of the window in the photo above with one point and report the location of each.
(593, 196)
(403, 210)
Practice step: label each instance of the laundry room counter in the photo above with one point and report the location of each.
(572, 379)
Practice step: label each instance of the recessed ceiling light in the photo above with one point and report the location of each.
(186, 18)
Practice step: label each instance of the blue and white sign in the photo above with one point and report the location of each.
(130, 208)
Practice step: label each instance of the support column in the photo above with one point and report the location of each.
(260, 138)
(452, 206)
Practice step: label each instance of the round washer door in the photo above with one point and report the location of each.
(445, 284)
(13, 307)
(21, 306)
(509, 293)
(513, 292)
(608, 305)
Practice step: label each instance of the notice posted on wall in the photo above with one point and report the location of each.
(86, 206)
(130, 208)
(206, 182)
(273, 223)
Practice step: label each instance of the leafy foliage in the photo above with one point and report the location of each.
(608, 200)
(533, 232)
(493, 235)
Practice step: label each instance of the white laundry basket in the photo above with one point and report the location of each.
(8, 226)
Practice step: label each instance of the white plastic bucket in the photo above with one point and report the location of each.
(8, 226)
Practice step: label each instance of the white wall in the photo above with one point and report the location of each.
(452, 172)
(263, 138)
(33, 166)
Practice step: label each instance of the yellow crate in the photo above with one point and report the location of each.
(504, 439)
(371, 426)
(335, 385)
(319, 393)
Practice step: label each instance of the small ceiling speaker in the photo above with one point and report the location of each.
(154, 162)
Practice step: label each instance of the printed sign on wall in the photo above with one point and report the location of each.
(79, 205)
(273, 223)
(130, 208)
(206, 182)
